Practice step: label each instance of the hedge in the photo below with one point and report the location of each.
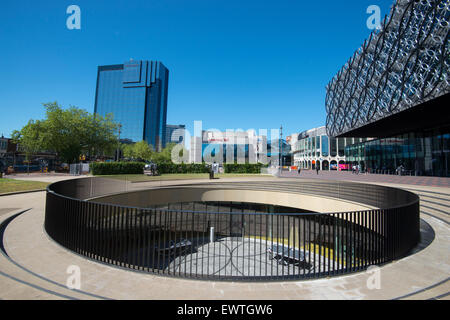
(104, 168)
(169, 167)
(107, 168)
(243, 168)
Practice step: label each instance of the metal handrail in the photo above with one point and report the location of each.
(335, 242)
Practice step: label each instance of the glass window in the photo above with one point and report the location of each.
(325, 146)
(132, 72)
(446, 153)
(333, 147)
(141, 110)
(348, 141)
(341, 147)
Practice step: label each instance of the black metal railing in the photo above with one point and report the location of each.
(233, 241)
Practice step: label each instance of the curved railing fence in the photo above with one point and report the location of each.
(232, 240)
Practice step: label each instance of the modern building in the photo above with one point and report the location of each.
(179, 131)
(229, 147)
(312, 148)
(274, 154)
(136, 94)
(14, 156)
(3, 145)
(396, 89)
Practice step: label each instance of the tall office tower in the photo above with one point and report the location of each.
(136, 94)
(175, 133)
(195, 154)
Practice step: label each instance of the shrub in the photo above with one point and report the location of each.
(169, 167)
(104, 168)
(243, 168)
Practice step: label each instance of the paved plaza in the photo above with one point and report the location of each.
(245, 257)
(33, 266)
(366, 177)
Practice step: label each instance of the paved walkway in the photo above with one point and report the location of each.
(43, 177)
(35, 267)
(383, 178)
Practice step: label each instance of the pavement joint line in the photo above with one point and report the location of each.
(427, 191)
(428, 207)
(440, 296)
(401, 297)
(427, 196)
(20, 192)
(422, 290)
(3, 226)
(37, 287)
(393, 179)
(432, 215)
(436, 203)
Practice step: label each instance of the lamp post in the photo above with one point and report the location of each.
(280, 149)
(118, 144)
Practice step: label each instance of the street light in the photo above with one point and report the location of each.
(280, 149)
(118, 144)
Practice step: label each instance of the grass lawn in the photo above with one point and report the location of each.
(179, 176)
(13, 185)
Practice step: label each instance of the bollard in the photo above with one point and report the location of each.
(211, 234)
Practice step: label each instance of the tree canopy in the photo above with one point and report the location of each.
(143, 151)
(139, 150)
(69, 132)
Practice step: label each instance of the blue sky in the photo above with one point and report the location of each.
(233, 64)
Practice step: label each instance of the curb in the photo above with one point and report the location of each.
(20, 192)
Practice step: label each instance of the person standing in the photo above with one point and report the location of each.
(152, 168)
(317, 169)
(299, 169)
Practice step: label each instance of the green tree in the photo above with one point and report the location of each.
(31, 138)
(165, 155)
(70, 133)
(127, 150)
(141, 150)
(137, 151)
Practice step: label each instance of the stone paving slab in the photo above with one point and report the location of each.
(369, 178)
(37, 252)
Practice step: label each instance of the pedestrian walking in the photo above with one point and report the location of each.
(152, 168)
(317, 169)
(299, 169)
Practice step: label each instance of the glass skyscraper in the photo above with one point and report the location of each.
(179, 136)
(136, 94)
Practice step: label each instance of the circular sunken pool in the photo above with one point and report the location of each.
(234, 231)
